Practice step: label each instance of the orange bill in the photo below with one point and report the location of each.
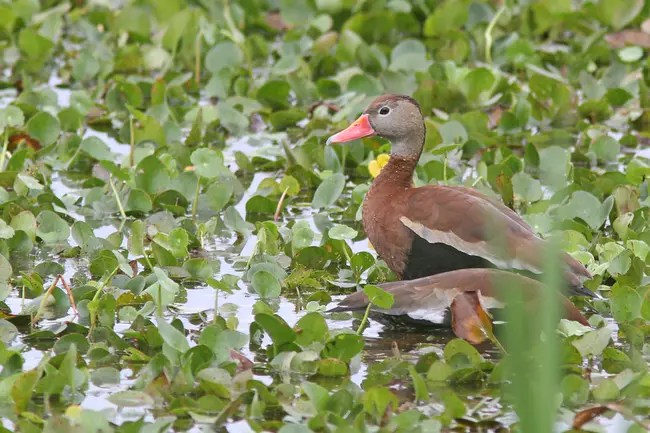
(358, 129)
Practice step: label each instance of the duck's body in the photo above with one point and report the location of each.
(384, 220)
(433, 229)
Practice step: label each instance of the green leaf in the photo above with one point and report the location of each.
(575, 390)
(449, 15)
(178, 241)
(26, 222)
(5, 269)
(105, 376)
(11, 116)
(379, 297)
(278, 330)
(131, 398)
(332, 367)
(223, 55)
(593, 342)
(453, 132)
(6, 232)
(218, 194)
(606, 148)
(409, 55)
(343, 347)
(618, 13)
(310, 328)
(463, 348)
(234, 221)
(97, 149)
(44, 127)
(266, 284)
(378, 402)
(318, 395)
(585, 206)
(138, 201)
(342, 232)
(328, 191)
(526, 187)
(172, 336)
(136, 240)
(626, 304)
(51, 228)
(419, 385)
(207, 163)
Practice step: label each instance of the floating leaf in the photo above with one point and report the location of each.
(328, 191)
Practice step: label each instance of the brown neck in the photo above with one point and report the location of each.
(398, 173)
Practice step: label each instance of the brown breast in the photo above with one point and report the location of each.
(382, 209)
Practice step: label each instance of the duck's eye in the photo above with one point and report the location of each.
(384, 111)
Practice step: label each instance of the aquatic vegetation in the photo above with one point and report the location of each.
(173, 227)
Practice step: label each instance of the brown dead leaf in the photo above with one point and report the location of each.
(584, 416)
(19, 138)
(274, 20)
(494, 117)
(244, 363)
(628, 37)
(468, 318)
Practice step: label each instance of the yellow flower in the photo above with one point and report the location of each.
(375, 166)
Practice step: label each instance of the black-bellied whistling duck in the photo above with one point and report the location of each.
(463, 299)
(433, 229)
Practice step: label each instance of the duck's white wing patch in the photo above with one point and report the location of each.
(436, 317)
(480, 249)
(488, 303)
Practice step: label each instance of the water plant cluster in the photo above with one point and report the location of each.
(173, 226)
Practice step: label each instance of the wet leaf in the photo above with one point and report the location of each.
(378, 296)
(328, 191)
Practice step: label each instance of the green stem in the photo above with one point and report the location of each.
(197, 58)
(117, 197)
(345, 252)
(496, 342)
(488, 34)
(146, 257)
(365, 319)
(253, 254)
(159, 300)
(249, 61)
(4, 150)
(100, 289)
(216, 306)
(195, 205)
(74, 158)
(132, 153)
(444, 170)
(41, 306)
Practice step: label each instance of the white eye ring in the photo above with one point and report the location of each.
(384, 111)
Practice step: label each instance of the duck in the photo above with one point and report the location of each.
(434, 229)
(465, 300)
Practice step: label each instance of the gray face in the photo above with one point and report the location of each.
(398, 119)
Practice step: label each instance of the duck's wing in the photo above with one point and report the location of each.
(477, 225)
(469, 294)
